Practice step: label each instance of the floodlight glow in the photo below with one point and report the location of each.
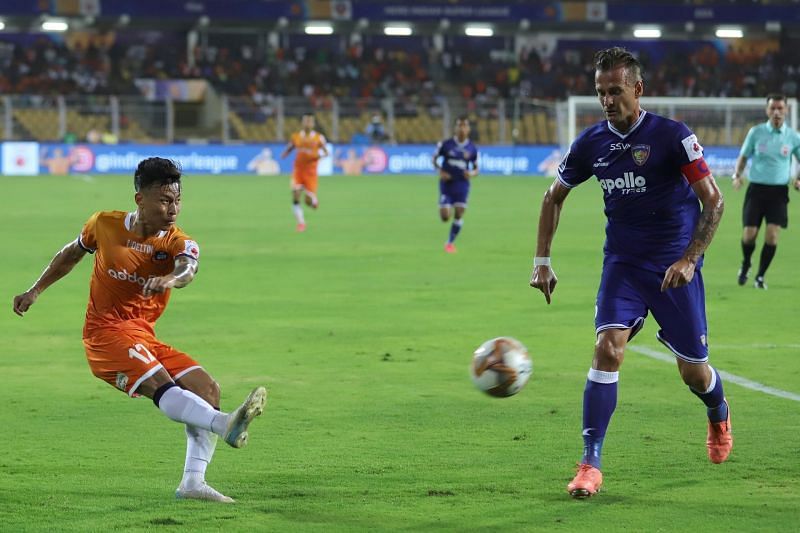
(729, 33)
(479, 31)
(2, 25)
(647, 33)
(55, 25)
(397, 30)
(319, 29)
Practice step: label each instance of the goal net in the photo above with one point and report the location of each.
(716, 121)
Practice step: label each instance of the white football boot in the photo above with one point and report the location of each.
(202, 492)
(239, 420)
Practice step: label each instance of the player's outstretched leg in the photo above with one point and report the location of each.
(238, 421)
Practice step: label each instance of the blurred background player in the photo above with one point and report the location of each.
(310, 146)
(652, 173)
(141, 256)
(375, 131)
(459, 165)
(771, 145)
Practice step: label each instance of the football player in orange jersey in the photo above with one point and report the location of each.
(140, 257)
(310, 147)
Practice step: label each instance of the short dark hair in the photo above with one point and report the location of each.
(309, 114)
(462, 118)
(778, 97)
(156, 171)
(611, 58)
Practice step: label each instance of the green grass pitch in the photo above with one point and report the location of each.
(362, 328)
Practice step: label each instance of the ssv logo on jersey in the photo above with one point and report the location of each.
(627, 184)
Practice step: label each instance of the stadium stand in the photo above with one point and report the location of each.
(417, 83)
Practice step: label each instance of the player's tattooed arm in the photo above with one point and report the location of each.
(713, 207)
(681, 272)
(61, 265)
(185, 269)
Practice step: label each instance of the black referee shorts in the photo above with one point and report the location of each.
(766, 202)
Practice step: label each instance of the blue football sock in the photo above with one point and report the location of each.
(454, 229)
(599, 402)
(714, 398)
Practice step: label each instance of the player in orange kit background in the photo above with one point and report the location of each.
(140, 257)
(310, 146)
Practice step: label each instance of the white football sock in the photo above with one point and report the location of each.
(185, 406)
(298, 213)
(200, 446)
(600, 376)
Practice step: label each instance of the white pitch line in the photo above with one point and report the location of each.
(756, 346)
(732, 378)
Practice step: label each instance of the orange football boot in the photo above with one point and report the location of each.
(450, 248)
(720, 439)
(587, 482)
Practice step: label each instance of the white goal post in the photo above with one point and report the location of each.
(716, 121)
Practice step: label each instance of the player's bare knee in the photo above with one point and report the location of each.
(211, 393)
(608, 354)
(696, 376)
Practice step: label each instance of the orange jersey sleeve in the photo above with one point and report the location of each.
(123, 264)
(307, 146)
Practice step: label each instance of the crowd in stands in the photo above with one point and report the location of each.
(413, 75)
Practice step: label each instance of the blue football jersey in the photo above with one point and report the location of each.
(457, 157)
(645, 175)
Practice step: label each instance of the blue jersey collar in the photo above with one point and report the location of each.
(633, 128)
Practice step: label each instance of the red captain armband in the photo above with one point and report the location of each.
(696, 170)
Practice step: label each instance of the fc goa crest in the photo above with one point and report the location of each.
(640, 153)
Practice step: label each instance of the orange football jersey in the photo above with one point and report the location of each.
(123, 263)
(307, 146)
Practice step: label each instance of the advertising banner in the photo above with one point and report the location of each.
(20, 159)
(265, 160)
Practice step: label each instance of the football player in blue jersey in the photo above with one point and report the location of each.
(663, 208)
(459, 165)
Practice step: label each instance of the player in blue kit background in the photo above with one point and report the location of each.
(654, 180)
(459, 165)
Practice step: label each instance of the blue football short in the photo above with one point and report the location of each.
(628, 293)
(453, 192)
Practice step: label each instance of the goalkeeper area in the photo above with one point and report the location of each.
(363, 329)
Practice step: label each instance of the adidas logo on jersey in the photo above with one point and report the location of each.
(123, 275)
(627, 184)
